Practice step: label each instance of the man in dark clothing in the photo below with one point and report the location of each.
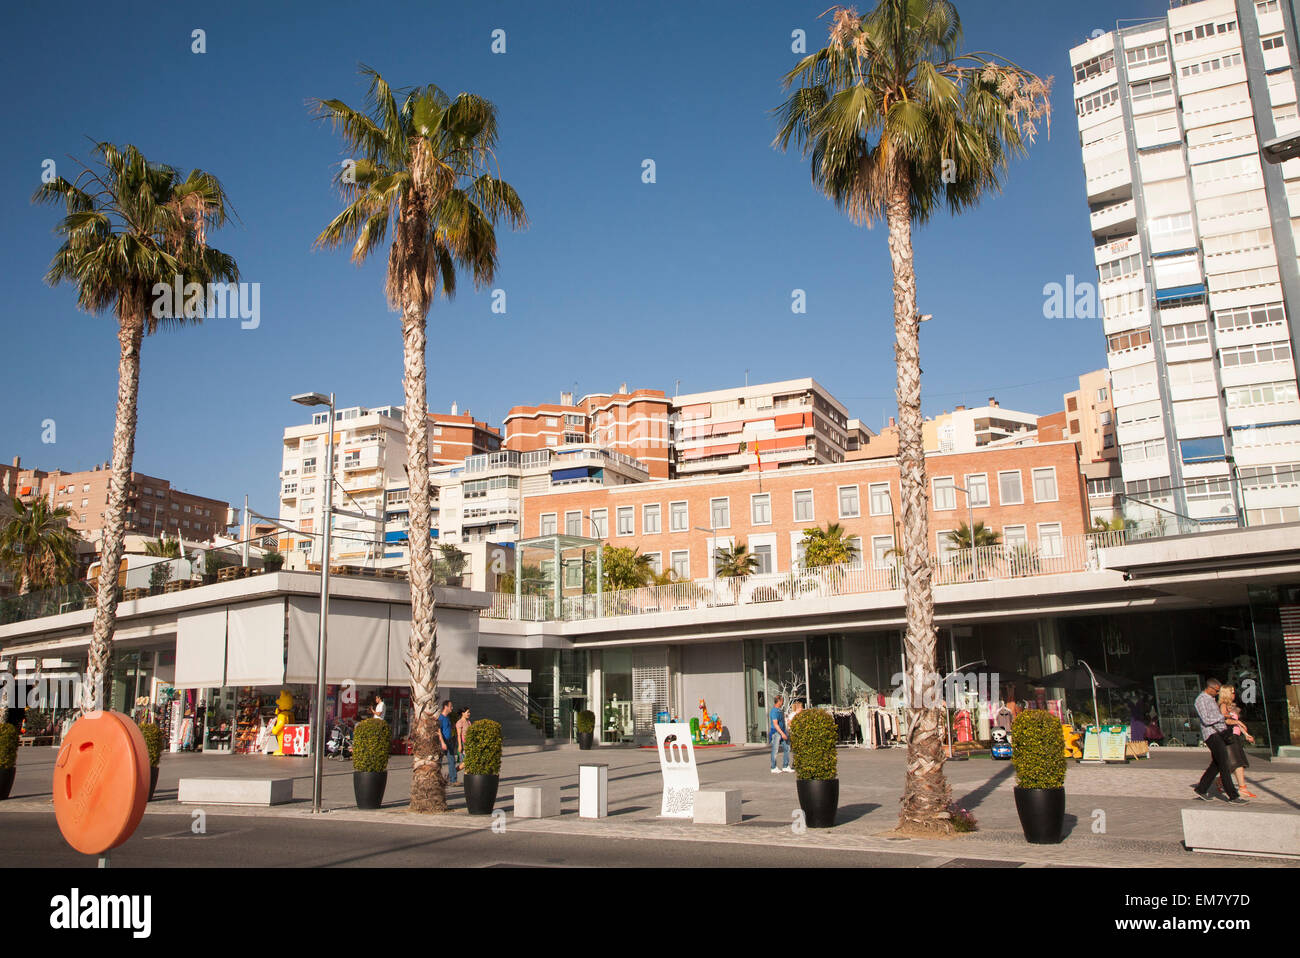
(1213, 732)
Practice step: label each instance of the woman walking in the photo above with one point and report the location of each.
(1236, 751)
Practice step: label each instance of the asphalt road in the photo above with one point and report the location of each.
(166, 841)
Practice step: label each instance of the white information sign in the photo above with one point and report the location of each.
(677, 762)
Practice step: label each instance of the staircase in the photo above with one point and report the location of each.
(503, 701)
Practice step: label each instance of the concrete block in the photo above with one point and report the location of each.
(537, 801)
(1288, 753)
(235, 791)
(1235, 831)
(717, 806)
(593, 791)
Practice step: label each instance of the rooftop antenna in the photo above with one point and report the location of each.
(746, 377)
(677, 389)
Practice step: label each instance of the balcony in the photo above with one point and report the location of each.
(1111, 185)
(1115, 219)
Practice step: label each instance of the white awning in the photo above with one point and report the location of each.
(201, 649)
(457, 647)
(255, 643)
(358, 641)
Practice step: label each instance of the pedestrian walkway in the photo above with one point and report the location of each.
(1125, 815)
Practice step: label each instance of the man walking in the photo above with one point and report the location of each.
(448, 736)
(1213, 732)
(777, 735)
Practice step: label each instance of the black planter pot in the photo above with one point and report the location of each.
(819, 799)
(481, 793)
(585, 739)
(153, 781)
(6, 781)
(368, 787)
(1042, 814)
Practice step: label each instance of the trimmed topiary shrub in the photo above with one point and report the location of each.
(8, 745)
(584, 722)
(483, 748)
(812, 745)
(1038, 750)
(370, 741)
(152, 741)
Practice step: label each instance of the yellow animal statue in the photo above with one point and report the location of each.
(1072, 738)
(283, 714)
(711, 726)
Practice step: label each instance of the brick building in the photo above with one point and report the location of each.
(1031, 495)
(631, 423)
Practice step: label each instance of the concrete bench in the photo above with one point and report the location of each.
(1237, 832)
(537, 801)
(1288, 753)
(235, 791)
(717, 806)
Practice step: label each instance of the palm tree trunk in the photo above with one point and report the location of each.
(130, 336)
(925, 792)
(428, 781)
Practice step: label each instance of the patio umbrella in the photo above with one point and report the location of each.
(1081, 676)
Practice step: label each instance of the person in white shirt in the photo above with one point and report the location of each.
(377, 710)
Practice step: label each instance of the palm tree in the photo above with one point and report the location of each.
(829, 546)
(36, 545)
(423, 168)
(897, 123)
(960, 537)
(133, 228)
(735, 561)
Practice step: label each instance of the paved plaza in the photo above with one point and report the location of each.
(1115, 815)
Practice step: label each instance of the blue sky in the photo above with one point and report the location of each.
(616, 280)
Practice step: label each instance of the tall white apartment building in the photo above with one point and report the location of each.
(369, 457)
(1196, 243)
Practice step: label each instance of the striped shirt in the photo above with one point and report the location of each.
(1207, 710)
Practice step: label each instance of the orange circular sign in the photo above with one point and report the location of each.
(101, 782)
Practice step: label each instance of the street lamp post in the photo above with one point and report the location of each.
(318, 733)
(970, 527)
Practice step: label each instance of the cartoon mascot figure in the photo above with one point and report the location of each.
(283, 714)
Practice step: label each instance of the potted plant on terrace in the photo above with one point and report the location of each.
(584, 724)
(8, 758)
(370, 740)
(482, 766)
(153, 742)
(812, 746)
(452, 565)
(1039, 759)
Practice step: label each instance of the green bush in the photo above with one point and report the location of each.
(272, 561)
(483, 748)
(370, 741)
(152, 741)
(585, 722)
(8, 745)
(812, 745)
(1038, 750)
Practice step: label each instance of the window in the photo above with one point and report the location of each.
(678, 517)
(1249, 316)
(855, 552)
(1150, 89)
(978, 488)
(1239, 396)
(1187, 334)
(881, 546)
(878, 499)
(626, 517)
(1096, 101)
(656, 562)
(720, 512)
(573, 573)
(1009, 490)
(552, 441)
(1205, 30)
(1253, 354)
(760, 509)
(1045, 484)
(1015, 537)
(86, 502)
(547, 526)
(945, 494)
(575, 419)
(1102, 394)
(1266, 6)
(1149, 55)
(552, 422)
(803, 505)
(681, 562)
(1049, 540)
(573, 523)
(848, 496)
(650, 519)
(1127, 266)
(1148, 451)
(1209, 449)
(763, 553)
(573, 437)
(600, 523)
(1121, 342)
(1098, 488)
(1213, 66)
(1094, 67)
(1274, 42)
